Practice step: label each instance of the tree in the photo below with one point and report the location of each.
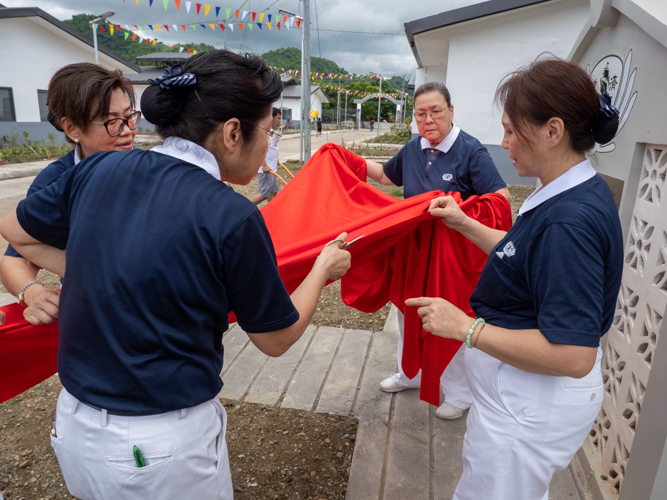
(126, 49)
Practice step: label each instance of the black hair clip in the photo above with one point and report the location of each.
(607, 108)
(174, 77)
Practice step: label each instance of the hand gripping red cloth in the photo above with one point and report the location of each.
(404, 251)
(28, 353)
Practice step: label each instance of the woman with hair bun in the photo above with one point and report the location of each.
(94, 107)
(546, 295)
(159, 251)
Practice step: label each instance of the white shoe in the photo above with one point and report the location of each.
(390, 385)
(449, 411)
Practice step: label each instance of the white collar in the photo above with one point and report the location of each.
(77, 159)
(446, 144)
(190, 152)
(576, 175)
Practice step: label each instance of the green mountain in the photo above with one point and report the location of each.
(290, 58)
(125, 48)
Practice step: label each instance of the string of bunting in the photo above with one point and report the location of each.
(358, 93)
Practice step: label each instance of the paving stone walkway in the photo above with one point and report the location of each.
(402, 449)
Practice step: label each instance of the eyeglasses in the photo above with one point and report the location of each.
(115, 126)
(268, 132)
(435, 114)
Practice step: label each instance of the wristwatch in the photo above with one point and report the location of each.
(22, 292)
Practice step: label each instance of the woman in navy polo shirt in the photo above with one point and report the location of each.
(546, 295)
(447, 158)
(82, 97)
(159, 251)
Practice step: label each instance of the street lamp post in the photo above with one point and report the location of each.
(379, 103)
(304, 125)
(102, 17)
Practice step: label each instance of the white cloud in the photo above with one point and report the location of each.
(358, 53)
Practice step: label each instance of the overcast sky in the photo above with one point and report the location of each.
(356, 52)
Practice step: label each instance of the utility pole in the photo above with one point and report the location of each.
(305, 78)
(402, 105)
(345, 116)
(379, 103)
(338, 102)
(94, 25)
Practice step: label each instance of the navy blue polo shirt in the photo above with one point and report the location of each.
(45, 178)
(158, 253)
(558, 269)
(466, 168)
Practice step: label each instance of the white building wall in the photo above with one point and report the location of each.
(295, 106)
(31, 51)
(480, 53)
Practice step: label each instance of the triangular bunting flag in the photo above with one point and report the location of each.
(245, 13)
(158, 27)
(269, 17)
(111, 29)
(237, 14)
(151, 27)
(180, 50)
(212, 26)
(250, 26)
(175, 27)
(260, 25)
(178, 5)
(119, 28)
(261, 17)
(141, 39)
(278, 25)
(141, 26)
(298, 23)
(231, 26)
(254, 15)
(188, 51)
(217, 11)
(154, 42)
(222, 27)
(135, 27)
(127, 33)
(137, 2)
(194, 27)
(134, 37)
(286, 25)
(194, 51)
(164, 2)
(203, 26)
(166, 27)
(228, 12)
(183, 26)
(151, 3)
(206, 9)
(240, 26)
(198, 7)
(187, 7)
(269, 25)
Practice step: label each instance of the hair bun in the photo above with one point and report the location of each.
(162, 106)
(605, 128)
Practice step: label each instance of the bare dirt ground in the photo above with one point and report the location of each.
(274, 453)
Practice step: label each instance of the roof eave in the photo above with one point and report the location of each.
(16, 12)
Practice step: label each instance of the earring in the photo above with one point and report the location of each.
(76, 140)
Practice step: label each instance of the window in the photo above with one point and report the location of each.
(286, 114)
(43, 110)
(6, 105)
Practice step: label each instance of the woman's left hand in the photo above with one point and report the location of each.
(441, 318)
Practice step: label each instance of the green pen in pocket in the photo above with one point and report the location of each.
(138, 457)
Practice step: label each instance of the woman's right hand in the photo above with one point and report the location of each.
(448, 211)
(42, 305)
(333, 259)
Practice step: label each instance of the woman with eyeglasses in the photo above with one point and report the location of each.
(94, 107)
(159, 251)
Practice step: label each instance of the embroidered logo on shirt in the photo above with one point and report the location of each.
(447, 177)
(509, 249)
(500, 254)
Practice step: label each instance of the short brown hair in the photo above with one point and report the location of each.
(82, 91)
(428, 87)
(548, 88)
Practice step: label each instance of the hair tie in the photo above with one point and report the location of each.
(606, 106)
(174, 77)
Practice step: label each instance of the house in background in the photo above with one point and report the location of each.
(33, 46)
(290, 102)
(472, 48)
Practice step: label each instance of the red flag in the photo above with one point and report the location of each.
(135, 27)
(298, 23)
(198, 8)
(188, 51)
(134, 37)
(254, 14)
(166, 27)
(240, 26)
(237, 14)
(183, 26)
(102, 29)
(118, 26)
(222, 27)
(178, 5)
(278, 24)
(147, 40)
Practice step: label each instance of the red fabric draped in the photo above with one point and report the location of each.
(403, 253)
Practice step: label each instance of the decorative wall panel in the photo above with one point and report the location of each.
(640, 309)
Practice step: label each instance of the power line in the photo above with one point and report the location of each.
(365, 32)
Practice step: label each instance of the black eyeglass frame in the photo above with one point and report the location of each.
(122, 126)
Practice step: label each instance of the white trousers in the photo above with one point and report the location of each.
(453, 381)
(522, 427)
(185, 452)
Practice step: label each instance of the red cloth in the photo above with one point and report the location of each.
(403, 253)
(28, 353)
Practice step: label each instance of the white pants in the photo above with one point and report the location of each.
(185, 452)
(522, 427)
(453, 381)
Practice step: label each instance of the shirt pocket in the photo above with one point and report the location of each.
(497, 281)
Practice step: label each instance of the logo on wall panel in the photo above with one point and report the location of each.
(612, 75)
